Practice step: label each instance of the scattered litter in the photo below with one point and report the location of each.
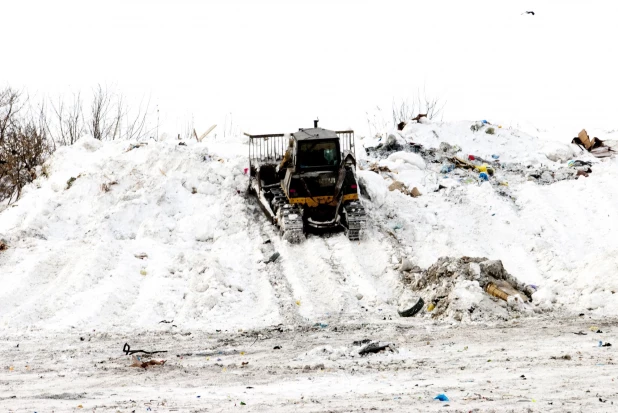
(376, 347)
(374, 167)
(136, 362)
(595, 146)
(407, 265)
(3, 246)
(580, 333)
(601, 344)
(565, 357)
(446, 281)
(106, 186)
(143, 271)
(483, 176)
(493, 290)
(321, 325)
(273, 258)
(166, 322)
(141, 255)
(127, 350)
(400, 186)
(243, 403)
(70, 182)
(495, 156)
(409, 305)
(442, 397)
(136, 146)
(277, 348)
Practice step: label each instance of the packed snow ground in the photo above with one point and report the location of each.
(526, 365)
(166, 232)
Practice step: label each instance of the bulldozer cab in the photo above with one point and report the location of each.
(307, 150)
(317, 154)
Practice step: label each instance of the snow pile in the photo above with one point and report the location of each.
(456, 288)
(123, 235)
(126, 235)
(558, 235)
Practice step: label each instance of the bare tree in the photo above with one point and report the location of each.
(101, 125)
(420, 104)
(10, 105)
(135, 127)
(23, 144)
(69, 121)
(108, 114)
(377, 122)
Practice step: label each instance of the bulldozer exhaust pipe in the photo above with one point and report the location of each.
(315, 123)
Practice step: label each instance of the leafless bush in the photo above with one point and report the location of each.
(103, 122)
(109, 114)
(10, 105)
(376, 122)
(69, 122)
(420, 103)
(188, 131)
(24, 143)
(135, 126)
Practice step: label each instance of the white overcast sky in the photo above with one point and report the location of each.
(276, 65)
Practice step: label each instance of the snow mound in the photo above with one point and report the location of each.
(550, 226)
(458, 288)
(124, 235)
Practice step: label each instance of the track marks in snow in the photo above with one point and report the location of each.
(329, 273)
(281, 288)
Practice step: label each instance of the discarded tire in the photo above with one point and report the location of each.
(411, 307)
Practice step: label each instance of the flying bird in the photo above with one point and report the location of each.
(529, 12)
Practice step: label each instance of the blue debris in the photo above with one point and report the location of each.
(442, 397)
(447, 168)
(483, 176)
(495, 156)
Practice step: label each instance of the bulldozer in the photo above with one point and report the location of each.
(306, 182)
